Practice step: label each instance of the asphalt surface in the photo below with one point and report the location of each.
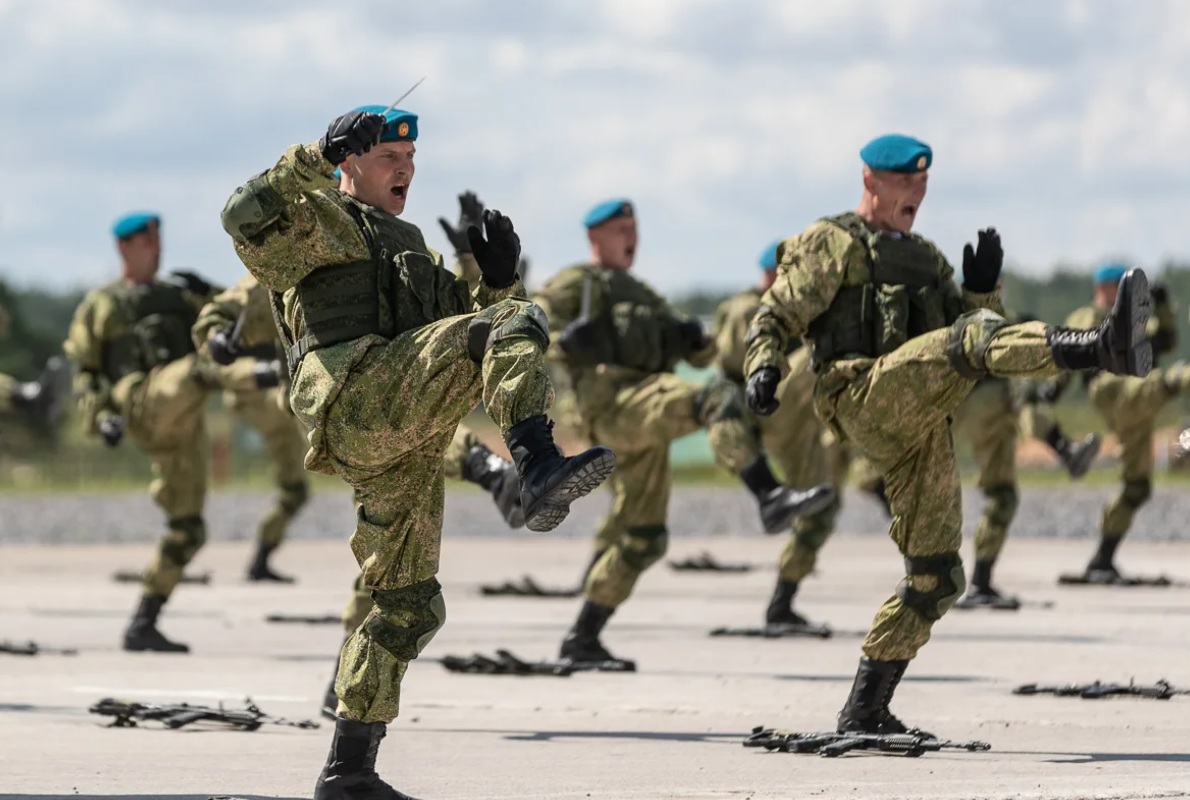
(672, 730)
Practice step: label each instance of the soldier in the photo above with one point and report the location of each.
(896, 347)
(137, 372)
(793, 437)
(1129, 407)
(988, 421)
(236, 341)
(388, 352)
(619, 341)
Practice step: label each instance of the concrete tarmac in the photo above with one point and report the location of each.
(672, 730)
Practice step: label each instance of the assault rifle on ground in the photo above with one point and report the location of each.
(126, 714)
(831, 744)
(1161, 690)
(34, 649)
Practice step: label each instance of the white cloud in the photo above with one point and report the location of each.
(730, 122)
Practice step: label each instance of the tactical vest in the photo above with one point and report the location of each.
(903, 298)
(635, 334)
(159, 319)
(397, 289)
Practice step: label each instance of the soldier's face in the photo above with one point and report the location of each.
(1105, 294)
(768, 279)
(613, 243)
(896, 198)
(141, 254)
(381, 177)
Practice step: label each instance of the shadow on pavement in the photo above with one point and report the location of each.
(1099, 758)
(145, 797)
(1020, 637)
(907, 679)
(647, 736)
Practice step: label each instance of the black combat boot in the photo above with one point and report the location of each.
(780, 610)
(867, 705)
(260, 570)
(981, 593)
(1102, 567)
(1076, 457)
(40, 398)
(142, 633)
(582, 644)
(1119, 345)
(484, 468)
(350, 771)
(780, 504)
(550, 481)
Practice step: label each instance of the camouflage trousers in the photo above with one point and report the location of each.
(639, 423)
(8, 386)
(806, 454)
(360, 604)
(1130, 407)
(385, 430)
(894, 411)
(286, 447)
(164, 411)
(987, 419)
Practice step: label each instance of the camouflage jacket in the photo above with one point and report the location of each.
(640, 329)
(813, 267)
(258, 335)
(733, 319)
(108, 347)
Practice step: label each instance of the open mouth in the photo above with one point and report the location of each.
(909, 211)
(399, 190)
(630, 252)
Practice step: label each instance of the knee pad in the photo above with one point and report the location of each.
(185, 538)
(718, 400)
(406, 619)
(1003, 501)
(947, 570)
(1137, 493)
(527, 322)
(293, 497)
(643, 546)
(985, 324)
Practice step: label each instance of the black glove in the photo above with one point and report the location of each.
(222, 349)
(580, 336)
(111, 428)
(499, 253)
(761, 393)
(470, 213)
(267, 374)
(982, 264)
(354, 133)
(1160, 294)
(694, 338)
(191, 282)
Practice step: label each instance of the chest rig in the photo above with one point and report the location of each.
(158, 320)
(903, 298)
(398, 288)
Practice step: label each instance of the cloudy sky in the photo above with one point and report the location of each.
(1065, 123)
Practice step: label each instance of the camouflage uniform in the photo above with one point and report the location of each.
(263, 409)
(134, 359)
(382, 378)
(892, 404)
(1129, 407)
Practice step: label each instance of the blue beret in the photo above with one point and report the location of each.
(1110, 273)
(609, 209)
(400, 126)
(131, 224)
(768, 259)
(897, 153)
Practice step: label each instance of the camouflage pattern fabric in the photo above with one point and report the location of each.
(1129, 407)
(381, 412)
(893, 409)
(8, 385)
(263, 410)
(360, 604)
(987, 420)
(638, 412)
(163, 408)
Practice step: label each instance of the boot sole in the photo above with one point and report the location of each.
(1086, 457)
(1134, 287)
(807, 508)
(550, 510)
